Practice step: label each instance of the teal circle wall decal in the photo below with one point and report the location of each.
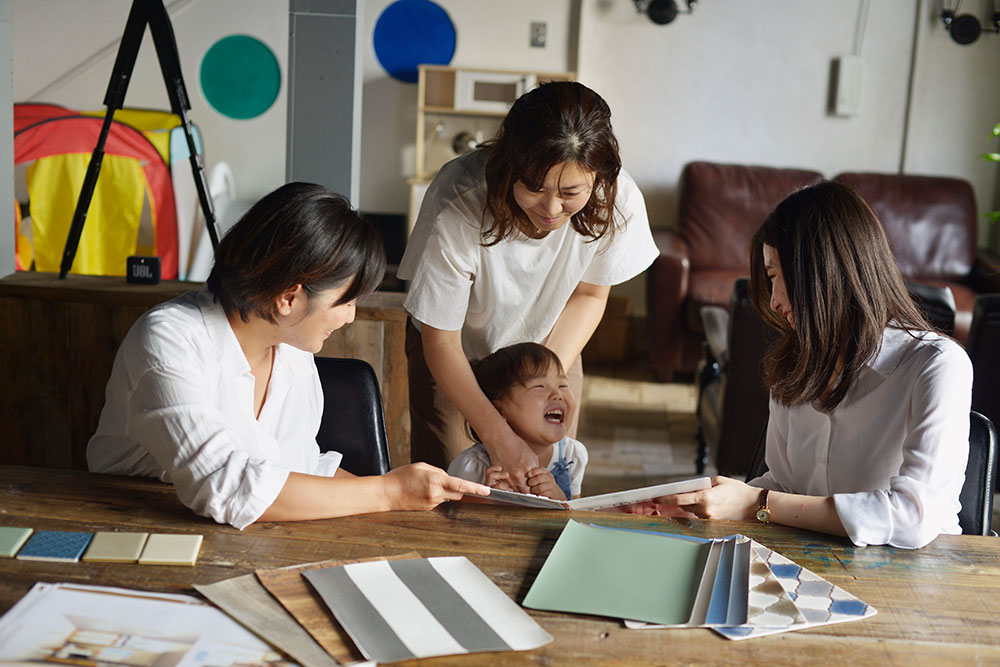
(240, 77)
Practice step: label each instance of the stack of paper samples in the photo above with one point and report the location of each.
(734, 585)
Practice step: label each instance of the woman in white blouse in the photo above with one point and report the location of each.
(518, 241)
(217, 392)
(869, 425)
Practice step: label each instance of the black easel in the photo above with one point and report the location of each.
(152, 13)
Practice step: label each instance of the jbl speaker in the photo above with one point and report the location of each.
(145, 270)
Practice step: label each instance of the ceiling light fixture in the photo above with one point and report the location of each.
(662, 12)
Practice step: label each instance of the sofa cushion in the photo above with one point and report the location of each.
(720, 207)
(930, 222)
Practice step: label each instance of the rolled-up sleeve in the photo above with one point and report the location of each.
(175, 420)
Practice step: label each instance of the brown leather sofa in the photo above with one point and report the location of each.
(720, 206)
(930, 221)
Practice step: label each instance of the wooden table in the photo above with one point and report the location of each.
(58, 340)
(938, 605)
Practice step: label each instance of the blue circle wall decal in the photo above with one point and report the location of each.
(410, 33)
(240, 77)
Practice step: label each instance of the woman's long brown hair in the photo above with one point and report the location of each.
(558, 122)
(844, 288)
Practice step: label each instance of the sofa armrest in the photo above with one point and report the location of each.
(666, 288)
(985, 276)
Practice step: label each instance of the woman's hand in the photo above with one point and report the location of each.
(420, 486)
(497, 478)
(728, 499)
(542, 483)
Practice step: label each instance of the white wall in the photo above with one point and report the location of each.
(64, 51)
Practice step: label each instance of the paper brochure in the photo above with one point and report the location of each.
(77, 624)
(626, 574)
(733, 585)
(602, 501)
(419, 608)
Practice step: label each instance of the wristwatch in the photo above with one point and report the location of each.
(763, 511)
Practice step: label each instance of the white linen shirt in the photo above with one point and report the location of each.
(513, 291)
(472, 463)
(893, 453)
(179, 407)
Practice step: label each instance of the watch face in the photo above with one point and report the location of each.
(763, 515)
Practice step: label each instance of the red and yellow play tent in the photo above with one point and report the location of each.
(133, 209)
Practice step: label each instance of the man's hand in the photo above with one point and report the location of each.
(420, 486)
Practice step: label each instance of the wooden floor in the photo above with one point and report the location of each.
(637, 431)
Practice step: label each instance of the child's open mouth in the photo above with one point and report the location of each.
(554, 416)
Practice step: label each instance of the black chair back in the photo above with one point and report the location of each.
(983, 347)
(353, 422)
(936, 303)
(976, 496)
(757, 465)
(977, 493)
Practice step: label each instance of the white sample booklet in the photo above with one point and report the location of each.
(602, 501)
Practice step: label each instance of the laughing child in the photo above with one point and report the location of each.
(528, 386)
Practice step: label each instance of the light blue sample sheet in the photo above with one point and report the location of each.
(622, 574)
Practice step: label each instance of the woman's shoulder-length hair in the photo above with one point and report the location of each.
(843, 286)
(559, 122)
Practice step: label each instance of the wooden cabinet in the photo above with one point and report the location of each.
(58, 340)
(459, 108)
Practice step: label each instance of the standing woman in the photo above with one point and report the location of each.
(217, 392)
(869, 429)
(518, 241)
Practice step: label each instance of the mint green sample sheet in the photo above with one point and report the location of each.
(622, 574)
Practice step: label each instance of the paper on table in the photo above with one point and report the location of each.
(300, 600)
(63, 622)
(405, 609)
(602, 501)
(623, 574)
(247, 601)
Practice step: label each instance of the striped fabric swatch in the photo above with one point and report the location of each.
(405, 609)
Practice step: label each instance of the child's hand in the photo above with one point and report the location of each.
(496, 478)
(542, 483)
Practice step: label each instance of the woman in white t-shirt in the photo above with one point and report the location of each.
(517, 241)
(869, 429)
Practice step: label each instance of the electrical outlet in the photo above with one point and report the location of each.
(539, 30)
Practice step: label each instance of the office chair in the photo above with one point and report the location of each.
(983, 347)
(353, 422)
(976, 496)
(936, 303)
(732, 398)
